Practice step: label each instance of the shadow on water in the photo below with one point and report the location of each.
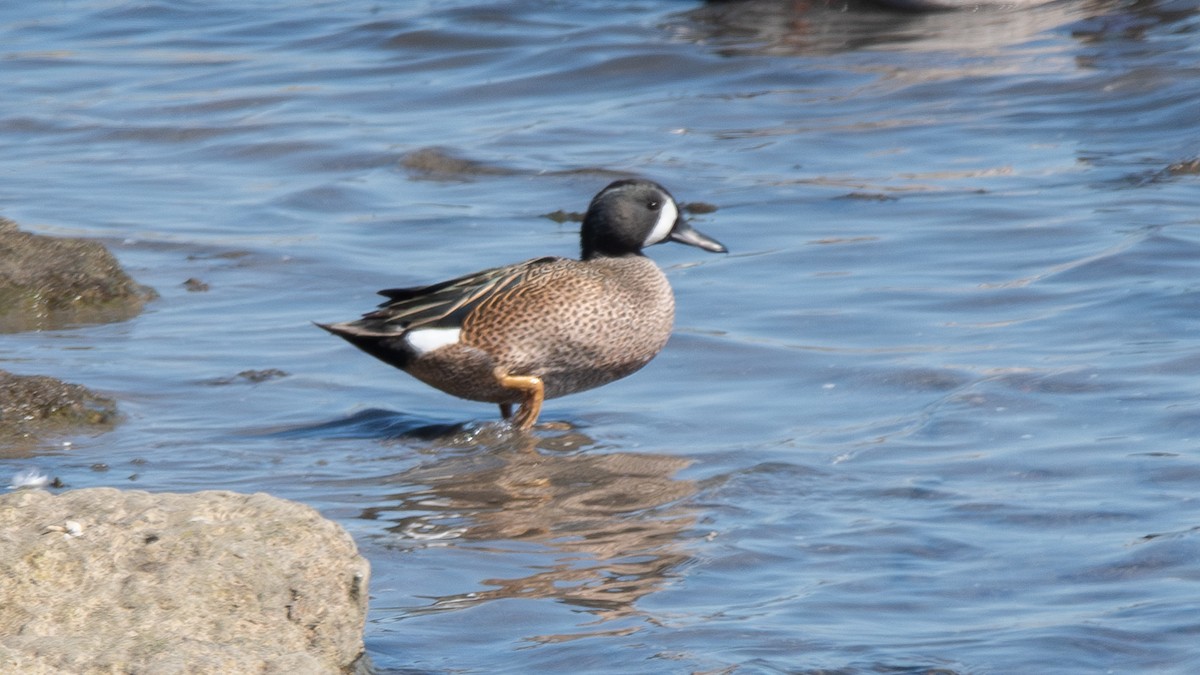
(390, 425)
(374, 423)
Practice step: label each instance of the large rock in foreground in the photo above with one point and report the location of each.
(56, 282)
(112, 581)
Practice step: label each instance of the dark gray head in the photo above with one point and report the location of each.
(629, 215)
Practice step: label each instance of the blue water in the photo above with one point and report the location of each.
(937, 411)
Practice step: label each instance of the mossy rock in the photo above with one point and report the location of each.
(57, 282)
(34, 406)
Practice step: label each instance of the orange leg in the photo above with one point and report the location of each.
(532, 395)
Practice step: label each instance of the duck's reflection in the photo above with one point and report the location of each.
(611, 521)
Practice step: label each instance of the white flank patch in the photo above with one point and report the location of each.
(666, 221)
(425, 340)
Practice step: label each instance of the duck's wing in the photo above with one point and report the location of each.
(447, 304)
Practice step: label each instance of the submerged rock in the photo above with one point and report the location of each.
(442, 164)
(447, 164)
(250, 376)
(34, 406)
(55, 282)
(113, 581)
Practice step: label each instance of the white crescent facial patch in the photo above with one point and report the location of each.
(662, 227)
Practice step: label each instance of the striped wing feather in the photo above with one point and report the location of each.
(446, 304)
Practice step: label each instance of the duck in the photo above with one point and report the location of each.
(520, 334)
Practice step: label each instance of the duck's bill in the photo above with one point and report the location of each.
(684, 233)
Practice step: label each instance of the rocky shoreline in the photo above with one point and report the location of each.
(103, 580)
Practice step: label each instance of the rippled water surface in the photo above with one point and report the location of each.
(937, 411)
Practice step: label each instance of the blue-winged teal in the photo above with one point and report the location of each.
(545, 327)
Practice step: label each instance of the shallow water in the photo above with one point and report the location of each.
(936, 412)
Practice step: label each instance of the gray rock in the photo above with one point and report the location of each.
(33, 406)
(114, 581)
(57, 282)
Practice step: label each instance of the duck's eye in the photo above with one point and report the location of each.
(653, 204)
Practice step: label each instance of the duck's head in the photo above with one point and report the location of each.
(629, 215)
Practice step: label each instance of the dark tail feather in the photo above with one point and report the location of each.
(392, 349)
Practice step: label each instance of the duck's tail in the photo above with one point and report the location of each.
(391, 348)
